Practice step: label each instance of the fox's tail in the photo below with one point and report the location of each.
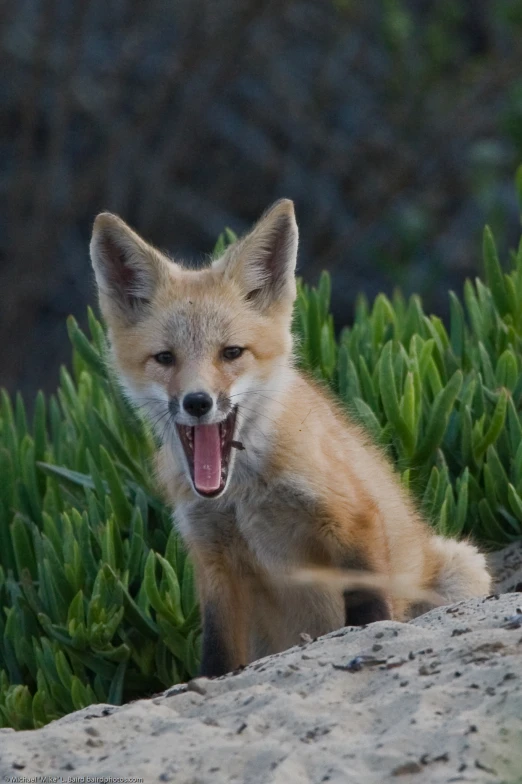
(461, 571)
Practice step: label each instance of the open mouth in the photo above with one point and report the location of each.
(207, 449)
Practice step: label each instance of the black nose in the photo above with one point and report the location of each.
(197, 403)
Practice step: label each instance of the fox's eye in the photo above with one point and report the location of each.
(232, 352)
(164, 358)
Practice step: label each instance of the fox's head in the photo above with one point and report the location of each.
(195, 348)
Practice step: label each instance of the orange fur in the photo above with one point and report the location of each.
(308, 489)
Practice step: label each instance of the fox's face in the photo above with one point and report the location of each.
(196, 349)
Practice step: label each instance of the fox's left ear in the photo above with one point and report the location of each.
(263, 262)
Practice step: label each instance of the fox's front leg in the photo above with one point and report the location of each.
(225, 606)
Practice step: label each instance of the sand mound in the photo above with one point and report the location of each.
(438, 699)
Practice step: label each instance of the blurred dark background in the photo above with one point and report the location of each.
(395, 125)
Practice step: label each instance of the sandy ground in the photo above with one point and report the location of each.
(436, 700)
(506, 565)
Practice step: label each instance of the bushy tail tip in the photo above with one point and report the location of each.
(461, 572)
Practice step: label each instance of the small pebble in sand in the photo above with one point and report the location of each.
(513, 622)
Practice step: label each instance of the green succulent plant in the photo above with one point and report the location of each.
(445, 403)
(97, 598)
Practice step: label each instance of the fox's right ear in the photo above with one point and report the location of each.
(127, 269)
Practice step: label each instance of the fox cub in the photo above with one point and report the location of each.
(266, 472)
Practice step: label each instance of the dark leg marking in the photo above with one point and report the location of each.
(216, 658)
(362, 607)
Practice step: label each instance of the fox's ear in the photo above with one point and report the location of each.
(263, 262)
(127, 269)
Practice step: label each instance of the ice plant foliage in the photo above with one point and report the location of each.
(97, 600)
(446, 402)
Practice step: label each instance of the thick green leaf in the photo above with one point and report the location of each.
(494, 276)
(390, 400)
(438, 418)
(495, 427)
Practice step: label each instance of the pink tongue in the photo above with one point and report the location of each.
(207, 458)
